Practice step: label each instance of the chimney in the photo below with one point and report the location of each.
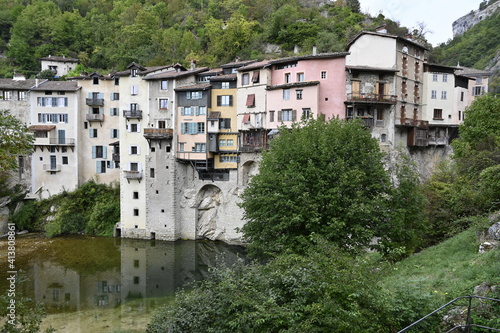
(18, 77)
(296, 49)
(237, 59)
(382, 29)
(314, 50)
(193, 65)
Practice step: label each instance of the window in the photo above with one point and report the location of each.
(255, 77)
(230, 142)
(164, 85)
(93, 133)
(95, 80)
(200, 127)
(286, 115)
(286, 94)
(114, 111)
(117, 81)
(52, 101)
(445, 78)
(476, 91)
(443, 94)
(298, 93)
(434, 94)
(152, 172)
(438, 114)
(250, 100)
(271, 116)
(134, 166)
(181, 146)
(224, 100)
(136, 213)
(53, 118)
(201, 110)
(98, 152)
(300, 77)
(134, 90)
(225, 123)
(245, 79)
(225, 85)
(323, 74)
(133, 72)
(194, 95)
(134, 150)
(227, 158)
(65, 160)
(287, 78)
(135, 195)
(187, 111)
(134, 128)
(199, 147)
(434, 77)
(115, 96)
(306, 113)
(222, 143)
(163, 103)
(100, 166)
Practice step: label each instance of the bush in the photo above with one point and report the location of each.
(25, 217)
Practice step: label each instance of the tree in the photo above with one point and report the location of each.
(15, 140)
(318, 177)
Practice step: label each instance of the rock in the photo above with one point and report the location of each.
(494, 231)
(455, 317)
(486, 246)
(482, 290)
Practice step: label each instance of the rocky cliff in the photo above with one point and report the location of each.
(466, 22)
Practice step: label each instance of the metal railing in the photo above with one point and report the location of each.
(468, 324)
(94, 101)
(132, 114)
(94, 117)
(372, 97)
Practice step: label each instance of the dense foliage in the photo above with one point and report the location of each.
(328, 178)
(15, 140)
(108, 35)
(92, 208)
(469, 185)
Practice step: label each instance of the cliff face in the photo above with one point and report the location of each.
(466, 22)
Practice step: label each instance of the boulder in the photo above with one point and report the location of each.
(494, 231)
(486, 246)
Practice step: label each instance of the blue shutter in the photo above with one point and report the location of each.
(104, 152)
(101, 110)
(90, 95)
(93, 151)
(91, 133)
(98, 166)
(101, 95)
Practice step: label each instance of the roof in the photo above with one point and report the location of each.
(147, 70)
(371, 69)
(381, 34)
(309, 57)
(57, 86)
(238, 63)
(10, 84)
(59, 59)
(255, 65)
(174, 74)
(467, 71)
(212, 72)
(293, 85)
(227, 77)
(199, 86)
(441, 68)
(44, 128)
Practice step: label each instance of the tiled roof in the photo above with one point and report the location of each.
(59, 59)
(227, 77)
(57, 86)
(199, 86)
(293, 85)
(174, 74)
(44, 128)
(8, 84)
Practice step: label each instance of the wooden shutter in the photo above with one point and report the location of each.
(280, 115)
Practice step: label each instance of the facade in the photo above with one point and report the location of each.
(54, 111)
(385, 52)
(478, 85)
(98, 128)
(60, 66)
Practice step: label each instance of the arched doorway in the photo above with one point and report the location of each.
(250, 169)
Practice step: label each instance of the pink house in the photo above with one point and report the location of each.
(305, 87)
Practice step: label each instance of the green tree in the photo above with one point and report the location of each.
(15, 140)
(318, 177)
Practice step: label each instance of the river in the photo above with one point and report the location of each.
(101, 285)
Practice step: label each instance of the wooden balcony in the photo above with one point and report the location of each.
(94, 117)
(372, 98)
(132, 114)
(437, 141)
(414, 122)
(52, 168)
(158, 133)
(94, 101)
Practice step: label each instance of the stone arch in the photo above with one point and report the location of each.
(250, 169)
(208, 204)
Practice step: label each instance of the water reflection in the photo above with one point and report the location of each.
(81, 273)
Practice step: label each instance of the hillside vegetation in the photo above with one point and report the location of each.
(108, 35)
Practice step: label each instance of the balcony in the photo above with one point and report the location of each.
(158, 133)
(252, 148)
(116, 157)
(132, 174)
(52, 168)
(372, 98)
(132, 114)
(94, 117)
(62, 141)
(94, 101)
(414, 122)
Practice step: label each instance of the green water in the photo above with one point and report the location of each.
(94, 284)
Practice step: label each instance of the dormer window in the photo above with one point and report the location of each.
(95, 80)
(134, 72)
